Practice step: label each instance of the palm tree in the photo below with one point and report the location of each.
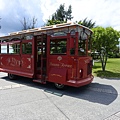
(87, 23)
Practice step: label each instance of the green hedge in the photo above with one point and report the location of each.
(113, 55)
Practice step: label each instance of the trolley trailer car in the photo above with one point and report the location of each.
(58, 53)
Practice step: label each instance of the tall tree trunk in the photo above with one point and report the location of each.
(103, 58)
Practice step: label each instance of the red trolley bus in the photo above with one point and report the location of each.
(58, 54)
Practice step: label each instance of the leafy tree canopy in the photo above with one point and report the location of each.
(104, 40)
(61, 15)
(105, 37)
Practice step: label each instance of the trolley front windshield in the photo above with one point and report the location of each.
(84, 42)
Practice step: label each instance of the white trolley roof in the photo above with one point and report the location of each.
(46, 29)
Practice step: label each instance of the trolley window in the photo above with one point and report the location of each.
(82, 47)
(10, 48)
(27, 48)
(58, 46)
(82, 44)
(4, 48)
(14, 48)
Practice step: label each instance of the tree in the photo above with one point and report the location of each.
(60, 16)
(53, 22)
(104, 40)
(28, 24)
(68, 15)
(87, 23)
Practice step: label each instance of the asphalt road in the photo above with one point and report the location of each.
(23, 99)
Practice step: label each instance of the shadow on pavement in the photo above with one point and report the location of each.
(95, 92)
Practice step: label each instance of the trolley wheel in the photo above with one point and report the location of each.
(59, 86)
(11, 76)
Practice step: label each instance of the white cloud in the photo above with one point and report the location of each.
(104, 12)
(1, 5)
(13, 11)
(48, 8)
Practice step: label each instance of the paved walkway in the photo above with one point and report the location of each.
(115, 116)
(24, 100)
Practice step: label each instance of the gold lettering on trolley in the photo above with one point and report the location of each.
(60, 65)
(13, 62)
(56, 75)
(54, 65)
(66, 65)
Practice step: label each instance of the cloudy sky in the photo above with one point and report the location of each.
(103, 12)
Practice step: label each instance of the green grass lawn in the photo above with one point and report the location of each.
(112, 68)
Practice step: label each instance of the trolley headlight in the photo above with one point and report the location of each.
(81, 73)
